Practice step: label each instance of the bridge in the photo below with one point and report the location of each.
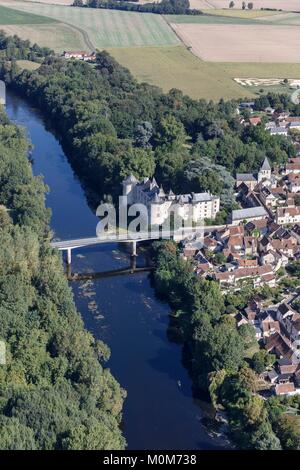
(133, 238)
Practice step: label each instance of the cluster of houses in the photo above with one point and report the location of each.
(260, 239)
(279, 122)
(277, 328)
(80, 55)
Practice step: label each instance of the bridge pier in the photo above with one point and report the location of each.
(69, 256)
(134, 252)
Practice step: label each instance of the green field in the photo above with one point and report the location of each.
(260, 70)
(57, 36)
(109, 28)
(9, 16)
(176, 67)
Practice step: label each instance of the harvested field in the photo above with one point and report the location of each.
(247, 43)
(287, 5)
(58, 37)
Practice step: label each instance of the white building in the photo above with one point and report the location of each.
(194, 206)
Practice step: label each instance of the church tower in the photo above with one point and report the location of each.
(265, 171)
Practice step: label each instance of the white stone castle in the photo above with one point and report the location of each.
(194, 206)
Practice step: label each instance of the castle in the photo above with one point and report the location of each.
(194, 206)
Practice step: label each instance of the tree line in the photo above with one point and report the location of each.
(164, 7)
(55, 392)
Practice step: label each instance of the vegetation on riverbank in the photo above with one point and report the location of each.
(218, 355)
(55, 394)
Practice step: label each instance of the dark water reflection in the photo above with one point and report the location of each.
(160, 412)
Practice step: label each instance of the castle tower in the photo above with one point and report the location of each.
(265, 171)
(128, 188)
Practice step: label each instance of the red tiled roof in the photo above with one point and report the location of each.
(282, 389)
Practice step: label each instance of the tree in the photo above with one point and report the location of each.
(261, 360)
(170, 134)
(231, 4)
(288, 431)
(250, 6)
(243, 5)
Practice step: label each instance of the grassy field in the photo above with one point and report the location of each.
(234, 13)
(109, 28)
(260, 70)
(27, 65)
(176, 67)
(58, 36)
(10, 16)
(292, 19)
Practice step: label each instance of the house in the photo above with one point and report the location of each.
(286, 366)
(285, 389)
(293, 182)
(254, 120)
(288, 215)
(80, 55)
(249, 214)
(292, 167)
(74, 54)
(280, 130)
(258, 276)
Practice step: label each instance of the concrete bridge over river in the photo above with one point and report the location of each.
(134, 238)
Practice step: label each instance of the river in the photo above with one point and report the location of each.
(160, 411)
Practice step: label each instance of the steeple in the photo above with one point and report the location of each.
(265, 171)
(266, 165)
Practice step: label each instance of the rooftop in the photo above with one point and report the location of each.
(240, 214)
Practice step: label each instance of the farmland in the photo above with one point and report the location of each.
(247, 43)
(175, 67)
(146, 44)
(287, 5)
(109, 28)
(9, 16)
(57, 36)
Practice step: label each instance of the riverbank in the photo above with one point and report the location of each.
(123, 311)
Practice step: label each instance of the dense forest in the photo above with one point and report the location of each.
(54, 392)
(217, 354)
(115, 126)
(164, 7)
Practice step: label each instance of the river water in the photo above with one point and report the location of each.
(160, 411)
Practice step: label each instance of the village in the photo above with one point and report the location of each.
(259, 249)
